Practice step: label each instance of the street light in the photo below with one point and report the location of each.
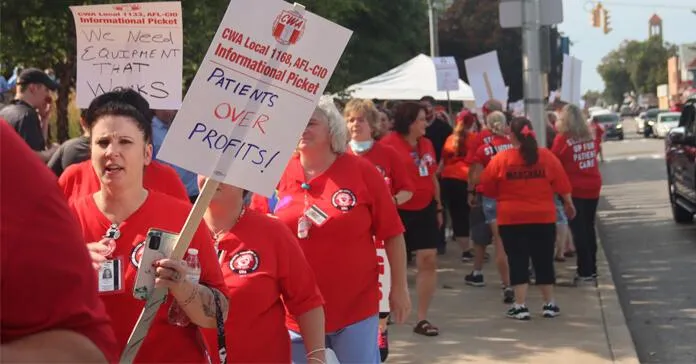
(433, 7)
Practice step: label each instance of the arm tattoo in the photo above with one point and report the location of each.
(208, 302)
(190, 297)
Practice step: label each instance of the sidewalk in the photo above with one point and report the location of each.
(474, 329)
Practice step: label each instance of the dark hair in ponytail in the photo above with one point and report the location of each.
(529, 149)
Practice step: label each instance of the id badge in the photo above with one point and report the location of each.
(316, 215)
(423, 170)
(303, 225)
(111, 276)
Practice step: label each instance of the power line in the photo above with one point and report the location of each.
(642, 5)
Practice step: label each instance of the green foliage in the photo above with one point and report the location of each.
(638, 66)
(41, 33)
(471, 27)
(591, 97)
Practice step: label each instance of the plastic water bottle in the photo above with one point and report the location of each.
(176, 314)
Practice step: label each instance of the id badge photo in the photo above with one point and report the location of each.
(423, 170)
(110, 276)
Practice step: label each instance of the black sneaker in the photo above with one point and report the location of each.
(467, 256)
(550, 310)
(508, 295)
(474, 280)
(518, 313)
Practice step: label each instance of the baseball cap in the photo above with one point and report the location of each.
(35, 75)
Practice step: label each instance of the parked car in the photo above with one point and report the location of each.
(650, 120)
(640, 123)
(665, 122)
(611, 122)
(680, 155)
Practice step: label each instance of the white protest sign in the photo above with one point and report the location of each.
(446, 73)
(486, 78)
(254, 93)
(137, 45)
(384, 278)
(570, 82)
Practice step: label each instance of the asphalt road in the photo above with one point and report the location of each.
(653, 260)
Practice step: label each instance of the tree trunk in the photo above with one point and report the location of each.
(66, 74)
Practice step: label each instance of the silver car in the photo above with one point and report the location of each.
(665, 122)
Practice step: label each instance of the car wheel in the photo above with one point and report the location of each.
(621, 137)
(679, 214)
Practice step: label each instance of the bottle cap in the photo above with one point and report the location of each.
(193, 251)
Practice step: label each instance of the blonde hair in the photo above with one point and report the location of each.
(496, 122)
(337, 127)
(368, 110)
(572, 124)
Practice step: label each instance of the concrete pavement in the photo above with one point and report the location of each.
(474, 329)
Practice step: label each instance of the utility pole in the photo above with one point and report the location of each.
(432, 25)
(531, 58)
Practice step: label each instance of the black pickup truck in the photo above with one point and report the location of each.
(680, 152)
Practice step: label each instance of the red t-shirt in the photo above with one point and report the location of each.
(263, 272)
(341, 250)
(47, 278)
(483, 137)
(456, 166)
(579, 159)
(80, 179)
(422, 157)
(486, 151)
(165, 343)
(598, 131)
(392, 169)
(525, 194)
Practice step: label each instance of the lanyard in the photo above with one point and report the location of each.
(303, 223)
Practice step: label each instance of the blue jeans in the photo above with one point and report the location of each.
(489, 209)
(356, 343)
(561, 217)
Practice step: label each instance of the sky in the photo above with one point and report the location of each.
(629, 20)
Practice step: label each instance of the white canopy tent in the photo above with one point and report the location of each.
(409, 81)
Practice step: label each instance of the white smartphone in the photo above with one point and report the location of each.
(158, 245)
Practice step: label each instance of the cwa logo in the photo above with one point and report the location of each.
(288, 27)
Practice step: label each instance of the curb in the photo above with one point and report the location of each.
(619, 338)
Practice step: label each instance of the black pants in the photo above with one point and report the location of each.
(442, 237)
(584, 235)
(454, 196)
(525, 241)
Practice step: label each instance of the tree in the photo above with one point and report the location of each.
(591, 97)
(470, 27)
(635, 66)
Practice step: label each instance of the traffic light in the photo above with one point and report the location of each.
(597, 15)
(605, 21)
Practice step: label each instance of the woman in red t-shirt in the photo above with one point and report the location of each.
(484, 230)
(524, 181)
(455, 177)
(265, 275)
(422, 214)
(115, 222)
(338, 205)
(363, 126)
(575, 146)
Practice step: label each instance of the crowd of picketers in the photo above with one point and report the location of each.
(294, 277)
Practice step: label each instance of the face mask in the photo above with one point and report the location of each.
(361, 147)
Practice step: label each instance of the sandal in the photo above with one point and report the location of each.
(425, 328)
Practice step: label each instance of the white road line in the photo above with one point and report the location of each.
(632, 158)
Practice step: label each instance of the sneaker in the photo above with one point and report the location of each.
(585, 281)
(550, 310)
(508, 295)
(383, 343)
(467, 256)
(518, 313)
(474, 280)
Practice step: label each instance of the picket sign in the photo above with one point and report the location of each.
(193, 220)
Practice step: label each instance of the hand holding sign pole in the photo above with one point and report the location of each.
(246, 108)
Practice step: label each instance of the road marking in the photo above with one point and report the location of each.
(632, 158)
